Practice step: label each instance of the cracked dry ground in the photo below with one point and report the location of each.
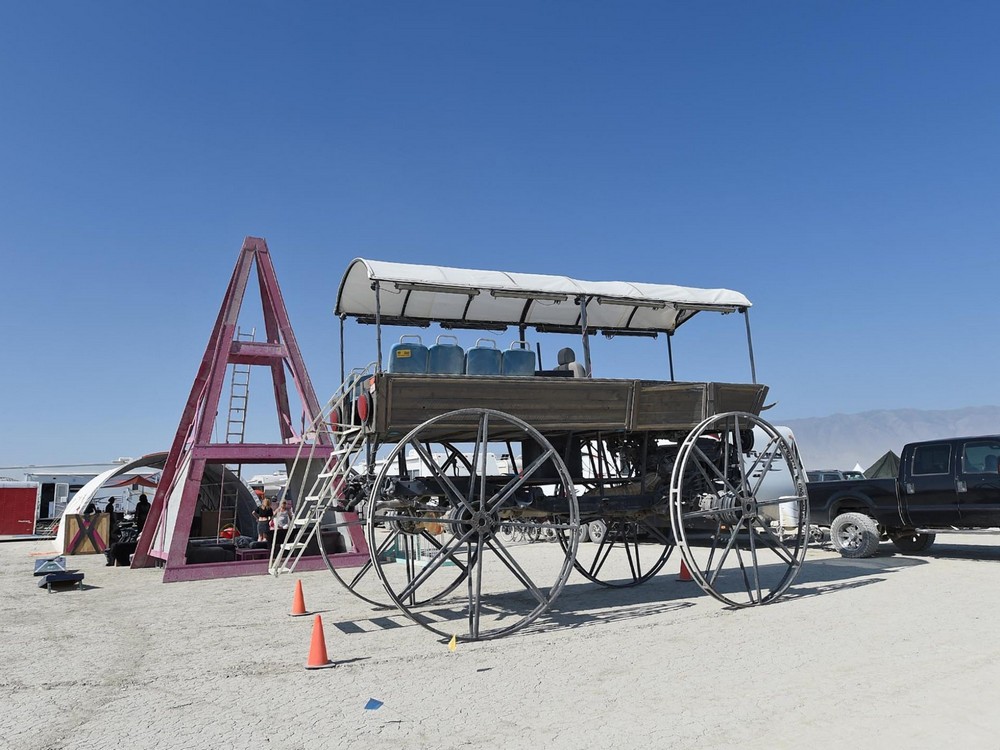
(895, 650)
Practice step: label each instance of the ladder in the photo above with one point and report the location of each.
(324, 494)
(239, 395)
(236, 425)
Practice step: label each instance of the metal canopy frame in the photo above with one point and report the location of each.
(404, 294)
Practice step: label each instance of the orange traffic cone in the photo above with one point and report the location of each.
(685, 574)
(298, 603)
(317, 649)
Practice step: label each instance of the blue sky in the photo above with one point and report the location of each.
(835, 161)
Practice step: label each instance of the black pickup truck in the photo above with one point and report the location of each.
(943, 486)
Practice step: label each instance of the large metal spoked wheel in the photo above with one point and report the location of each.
(628, 553)
(739, 509)
(400, 542)
(507, 586)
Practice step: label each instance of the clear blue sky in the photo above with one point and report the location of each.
(837, 162)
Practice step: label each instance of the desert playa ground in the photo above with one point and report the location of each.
(895, 651)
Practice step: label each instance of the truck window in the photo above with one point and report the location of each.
(980, 457)
(931, 459)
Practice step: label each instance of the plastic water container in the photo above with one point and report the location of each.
(483, 359)
(519, 359)
(407, 357)
(446, 358)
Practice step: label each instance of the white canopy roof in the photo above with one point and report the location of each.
(463, 297)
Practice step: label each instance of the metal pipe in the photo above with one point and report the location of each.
(670, 354)
(586, 337)
(378, 326)
(343, 376)
(753, 366)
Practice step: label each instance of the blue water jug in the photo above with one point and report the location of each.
(406, 357)
(519, 359)
(446, 358)
(482, 359)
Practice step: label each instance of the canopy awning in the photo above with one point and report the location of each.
(411, 294)
(144, 481)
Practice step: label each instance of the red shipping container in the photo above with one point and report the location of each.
(18, 501)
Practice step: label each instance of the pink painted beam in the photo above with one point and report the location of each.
(257, 353)
(203, 571)
(257, 453)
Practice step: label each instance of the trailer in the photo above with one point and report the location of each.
(657, 464)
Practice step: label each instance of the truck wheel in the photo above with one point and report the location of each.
(854, 535)
(913, 542)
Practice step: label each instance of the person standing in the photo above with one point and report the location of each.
(282, 520)
(263, 515)
(141, 511)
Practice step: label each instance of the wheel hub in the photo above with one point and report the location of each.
(484, 522)
(729, 509)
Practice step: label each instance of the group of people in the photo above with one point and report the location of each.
(271, 519)
(140, 513)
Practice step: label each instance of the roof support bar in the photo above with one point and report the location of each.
(670, 354)
(753, 367)
(586, 336)
(378, 326)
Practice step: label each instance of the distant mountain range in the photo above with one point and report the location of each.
(842, 440)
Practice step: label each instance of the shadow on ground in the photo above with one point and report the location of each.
(585, 604)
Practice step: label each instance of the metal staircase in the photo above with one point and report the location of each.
(318, 502)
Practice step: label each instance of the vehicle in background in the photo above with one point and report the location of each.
(833, 475)
(943, 486)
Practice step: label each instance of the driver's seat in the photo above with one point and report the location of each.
(567, 361)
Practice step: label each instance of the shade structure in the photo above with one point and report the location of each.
(142, 481)
(406, 293)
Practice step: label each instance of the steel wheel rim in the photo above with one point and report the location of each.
(367, 569)
(638, 563)
(767, 565)
(475, 523)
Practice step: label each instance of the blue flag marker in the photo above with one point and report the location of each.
(372, 704)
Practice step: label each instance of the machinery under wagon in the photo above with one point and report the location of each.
(659, 464)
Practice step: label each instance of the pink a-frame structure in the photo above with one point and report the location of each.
(168, 525)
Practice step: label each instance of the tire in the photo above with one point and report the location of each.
(597, 530)
(913, 542)
(854, 535)
(584, 532)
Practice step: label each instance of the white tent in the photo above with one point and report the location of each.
(89, 491)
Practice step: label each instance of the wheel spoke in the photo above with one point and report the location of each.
(777, 546)
(512, 565)
(444, 553)
(771, 456)
(378, 553)
(430, 538)
(634, 566)
(655, 531)
(753, 557)
(514, 484)
(715, 469)
(451, 491)
(603, 550)
(483, 455)
(725, 554)
(715, 545)
(476, 590)
(743, 569)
